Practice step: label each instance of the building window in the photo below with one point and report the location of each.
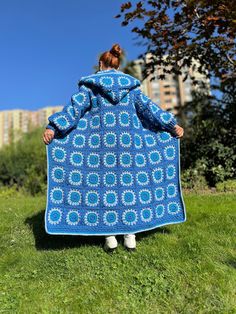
(155, 85)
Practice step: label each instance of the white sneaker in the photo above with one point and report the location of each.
(110, 243)
(129, 241)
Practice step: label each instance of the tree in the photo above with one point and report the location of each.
(209, 142)
(176, 32)
(182, 34)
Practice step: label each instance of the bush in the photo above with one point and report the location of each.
(190, 179)
(35, 182)
(8, 192)
(209, 137)
(23, 164)
(226, 186)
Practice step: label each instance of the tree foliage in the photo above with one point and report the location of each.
(208, 146)
(176, 32)
(178, 35)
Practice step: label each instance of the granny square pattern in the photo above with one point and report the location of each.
(113, 166)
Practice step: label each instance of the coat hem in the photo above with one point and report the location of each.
(116, 233)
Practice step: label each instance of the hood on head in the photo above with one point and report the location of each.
(112, 84)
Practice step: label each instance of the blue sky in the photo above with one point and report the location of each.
(47, 45)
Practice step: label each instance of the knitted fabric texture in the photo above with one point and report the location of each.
(113, 166)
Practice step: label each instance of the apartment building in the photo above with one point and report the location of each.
(172, 91)
(15, 122)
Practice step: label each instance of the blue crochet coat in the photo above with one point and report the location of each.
(114, 164)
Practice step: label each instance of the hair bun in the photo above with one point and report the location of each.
(116, 50)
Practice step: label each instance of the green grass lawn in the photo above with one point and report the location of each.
(183, 268)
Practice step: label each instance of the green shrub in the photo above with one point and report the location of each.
(23, 164)
(226, 186)
(35, 182)
(209, 136)
(8, 192)
(191, 180)
(194, 178)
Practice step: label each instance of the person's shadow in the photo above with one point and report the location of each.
(45, 241)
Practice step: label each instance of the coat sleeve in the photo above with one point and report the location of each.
(152, 113)
(67, 119)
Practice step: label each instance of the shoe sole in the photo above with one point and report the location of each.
(130, 249)
(109, 249)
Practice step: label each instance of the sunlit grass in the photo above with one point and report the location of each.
(182, 268)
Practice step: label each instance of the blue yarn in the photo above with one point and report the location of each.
(113, 166)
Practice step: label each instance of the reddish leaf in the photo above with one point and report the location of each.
(126, 6)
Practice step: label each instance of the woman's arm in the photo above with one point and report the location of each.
(68, 118)
(151, 112)
(63, 121)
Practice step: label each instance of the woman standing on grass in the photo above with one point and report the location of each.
(113, 160)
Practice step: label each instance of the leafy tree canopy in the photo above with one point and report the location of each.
(177, 32)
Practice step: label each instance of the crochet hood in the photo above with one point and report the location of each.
(112, 84)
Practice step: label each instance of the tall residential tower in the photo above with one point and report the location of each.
(171, 91)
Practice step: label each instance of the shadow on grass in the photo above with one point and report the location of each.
(44, 241)
(231, 263)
